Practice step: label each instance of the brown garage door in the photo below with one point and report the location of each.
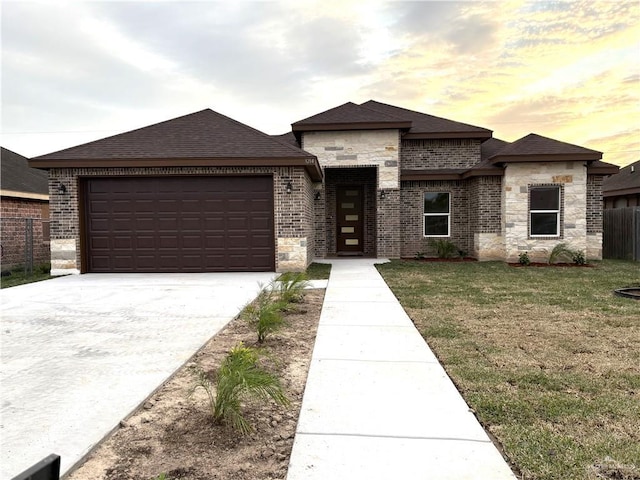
(179, 224)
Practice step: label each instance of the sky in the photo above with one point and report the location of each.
(73, 72)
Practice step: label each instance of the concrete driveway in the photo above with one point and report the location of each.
(79, 353)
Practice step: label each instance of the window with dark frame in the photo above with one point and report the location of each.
(437, 212)
(544, 211)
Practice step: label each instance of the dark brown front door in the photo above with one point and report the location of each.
(350, 220)
(179, 224)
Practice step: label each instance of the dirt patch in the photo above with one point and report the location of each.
(173, 434)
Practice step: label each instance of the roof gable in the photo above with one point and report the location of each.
(17, 176)
(535, 147)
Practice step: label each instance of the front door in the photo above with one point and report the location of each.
(350, 220)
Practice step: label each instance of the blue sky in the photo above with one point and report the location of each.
(78, 71)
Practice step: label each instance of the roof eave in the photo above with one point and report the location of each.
(416, 175)
(24, 195)
(483, 172)
(445, 135)
(556, 157)
(606, 169)
(310, 163)
(621, 191)
(313, 127)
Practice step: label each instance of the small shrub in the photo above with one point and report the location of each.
(560, 251)
(578, 257)
(523, 259)
(444, 248)
(264, 314)
(290, 287)
(238, 378)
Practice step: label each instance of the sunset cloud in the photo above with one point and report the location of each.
(77, 71)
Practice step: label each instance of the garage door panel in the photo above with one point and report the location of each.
(165, 224)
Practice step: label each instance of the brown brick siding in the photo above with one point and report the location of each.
(13, 224)
(485, 198)
(412, 208)
(293, 212)
(438, 154)
(594, 204)
(390, 215)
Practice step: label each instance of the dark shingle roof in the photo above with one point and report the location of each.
(288, 137)
(18, 176)
(428, 126)
(349, 116)
(543, 148)
(627, 180)
(204, 134)
(490, 147)
(375, 115)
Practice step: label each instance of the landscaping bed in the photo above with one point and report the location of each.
(172, 435)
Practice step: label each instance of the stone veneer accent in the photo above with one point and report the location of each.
(518, 178)
(293, 222)
(357, 148)
(439, 154)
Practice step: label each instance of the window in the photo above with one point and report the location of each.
(544, 211)
(437, 210)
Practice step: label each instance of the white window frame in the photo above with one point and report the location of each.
(425, 215)
(557, 212)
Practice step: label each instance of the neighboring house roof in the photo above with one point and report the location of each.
(543, 149)
(375, 115)
(204, 138)
(17, 179)
(626, 182)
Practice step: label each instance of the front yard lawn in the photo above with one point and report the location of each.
(18, 276)
(548, 358)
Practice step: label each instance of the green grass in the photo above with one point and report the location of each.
(19, 277)
(548, 358)
(318, 271)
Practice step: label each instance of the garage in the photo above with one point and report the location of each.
(178, 224)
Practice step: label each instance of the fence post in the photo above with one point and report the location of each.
(636, 235)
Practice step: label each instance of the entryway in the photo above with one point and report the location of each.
(350, 210)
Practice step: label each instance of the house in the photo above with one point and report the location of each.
(204, 192)
(623, 190)
(24, 212)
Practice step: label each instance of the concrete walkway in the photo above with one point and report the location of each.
(80, 353)
(377, 404)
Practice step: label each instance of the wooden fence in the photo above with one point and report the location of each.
(621, 233)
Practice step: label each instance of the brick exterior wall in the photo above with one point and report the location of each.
(594, 203)
(390, 215)
(438, 154)
(411, 221)
(293, 216)
(13, 214)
